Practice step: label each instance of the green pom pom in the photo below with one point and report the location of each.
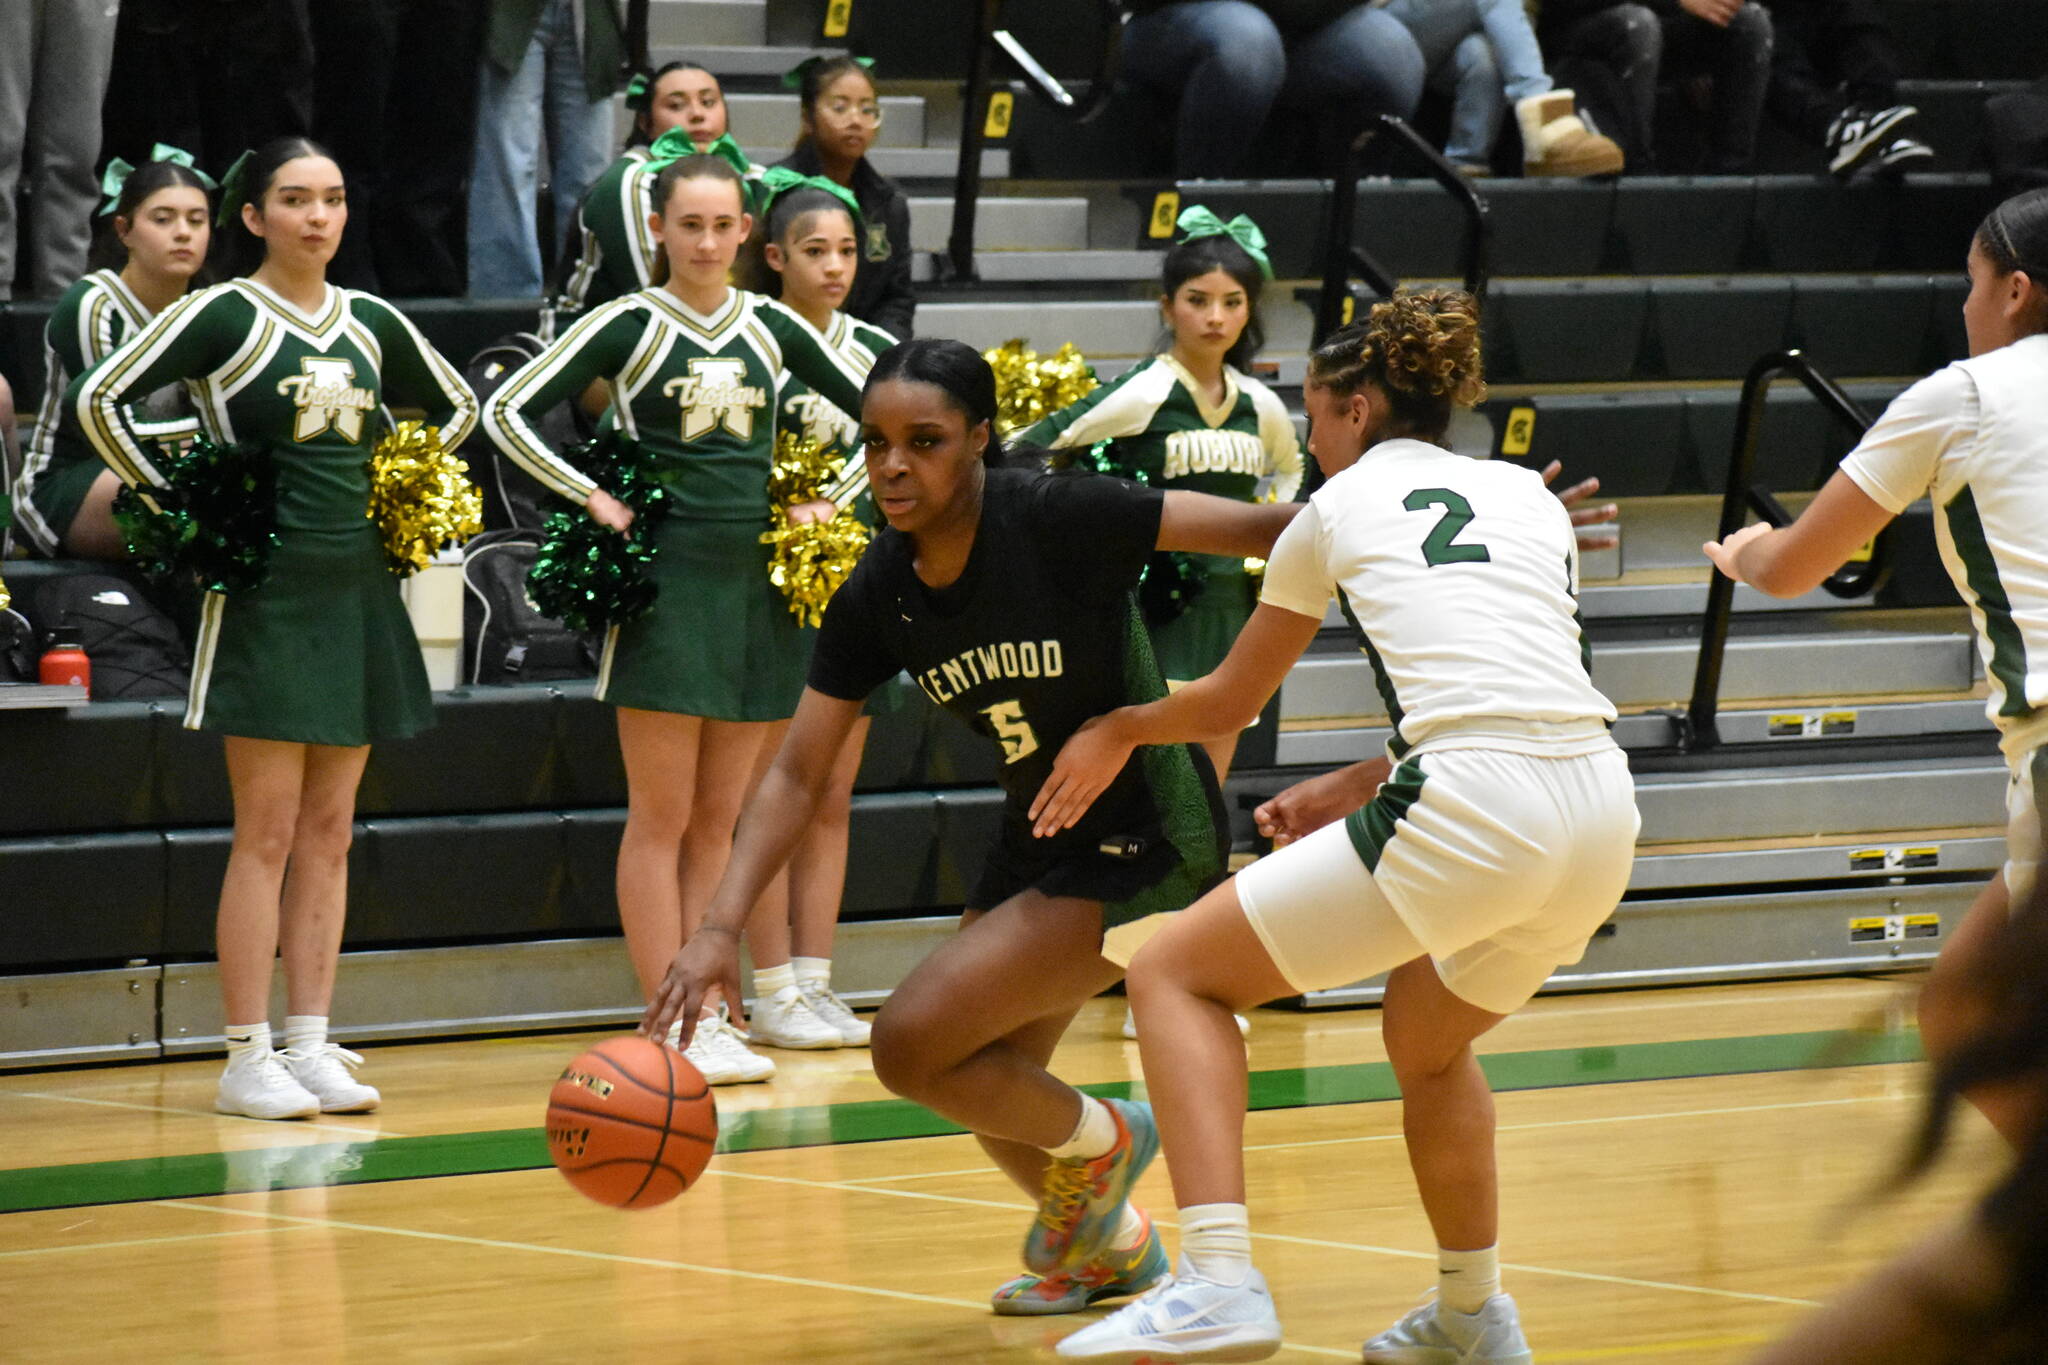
(590, 577)
(215, 519)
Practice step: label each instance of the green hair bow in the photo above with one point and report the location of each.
(1196, 222)
(793, 79)
(637, 91)
(233, 188)
(118, 172)
(675, 144)
(777, 181)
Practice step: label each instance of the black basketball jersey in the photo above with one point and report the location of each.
(1039, 634)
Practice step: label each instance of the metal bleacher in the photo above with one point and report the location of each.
(1837, 819)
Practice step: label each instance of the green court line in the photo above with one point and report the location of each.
(759, 1130)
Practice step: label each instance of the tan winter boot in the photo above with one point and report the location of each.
(1555, 142)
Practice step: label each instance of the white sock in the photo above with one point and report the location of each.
(1216, 1242)
(1131, 1230)
(1467, 1279)
(809, 969)
(770, 982)
(305, 1033)
(1093, 1136)
(248, 1042)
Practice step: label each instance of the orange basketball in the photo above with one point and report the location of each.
(631, 1123)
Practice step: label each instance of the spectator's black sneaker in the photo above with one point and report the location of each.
(1857, 134)
(1899, 155)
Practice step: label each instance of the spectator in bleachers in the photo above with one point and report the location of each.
(842, 115)
(10, 465)
(1483, 54)
(54, 59)
(549, 70)
(1720, 50)
(1835, 82)
(156, 227)
(612, 248)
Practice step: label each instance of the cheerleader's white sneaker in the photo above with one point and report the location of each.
(325, 1071)
(262, 1087)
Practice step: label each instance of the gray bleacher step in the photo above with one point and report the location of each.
(1107, 327)
(1045, 267)
(1791, 725)
(770, 120)
(701, 23)
(1827, 667)
(1876, 854)
(1615, 600)
(1824, 800)
(739, 59)
(1003, 224)
(906, 163)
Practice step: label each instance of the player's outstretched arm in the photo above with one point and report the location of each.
(1201, 523)
(1794, 560)
(770, 828)
(1223, 703)
(1600, 514)
(1300, 810)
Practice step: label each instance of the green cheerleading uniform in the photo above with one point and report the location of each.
(93, 317)
(322, 652)
(699, 393)
(1160, 424)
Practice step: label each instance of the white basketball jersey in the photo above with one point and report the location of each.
(1974, 438)
(1461, 577)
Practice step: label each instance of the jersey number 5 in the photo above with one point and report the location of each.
(1440, 546)
(1007, 717)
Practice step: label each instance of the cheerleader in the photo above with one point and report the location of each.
(810, 257)
(842, 115)
(679, 109)
(704, 679)
(305, 672)
(1193, 418)
(159, 224)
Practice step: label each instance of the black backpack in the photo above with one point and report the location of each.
(18, 652)
(135, 650)
(506, 639)
(513, 497)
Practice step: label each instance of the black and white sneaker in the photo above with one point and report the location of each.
(1899, 155)
(1857, 133)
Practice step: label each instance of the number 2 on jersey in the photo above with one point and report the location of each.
(1440, 546)
(1007, 717)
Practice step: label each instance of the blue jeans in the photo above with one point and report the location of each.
(1222, 63)
(1361, 63)
(1483, 54)
(512, 107)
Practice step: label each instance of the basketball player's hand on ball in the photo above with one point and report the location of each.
(1725, 553)
(1582, 517)
(1089, 761)
(1307, 806)
(709, 962)
(607, 510)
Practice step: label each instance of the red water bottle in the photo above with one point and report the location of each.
(64, 662)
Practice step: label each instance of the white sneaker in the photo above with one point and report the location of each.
(324, 1071)
(785, 1020)
(263, 1088)
(853, 1030)
(1244, 1026)
(718, 1051)
(1434, 1335)
(1184, 1319)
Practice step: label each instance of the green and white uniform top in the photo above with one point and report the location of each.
(257, 368)
(1461, 578)
(699, 393)
(1164, 426)
(91, 319)
(811, 416)
(1974, 438)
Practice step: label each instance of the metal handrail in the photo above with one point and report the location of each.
(1742, 496)
(989, 39)
(1343, 257)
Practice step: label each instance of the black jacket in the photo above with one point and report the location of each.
(881, 292)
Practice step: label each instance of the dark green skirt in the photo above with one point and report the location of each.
(59, 492)
(1193, 643)
(720, 641)
(322, 653)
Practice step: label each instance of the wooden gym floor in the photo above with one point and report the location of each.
(1685, 1172)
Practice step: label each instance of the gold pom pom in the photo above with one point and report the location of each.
(421, 497)
(6, 597)
(808, 562)
(801, 471)
(1030, 387)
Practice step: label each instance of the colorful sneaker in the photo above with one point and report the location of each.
(785, 1020)
(853, 1030)
(717, 1050)
(1082, 1199)
(1184, 1319)
(1433, 1335)
(1112, 1275)
(263, 1088)
(324, 1070)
